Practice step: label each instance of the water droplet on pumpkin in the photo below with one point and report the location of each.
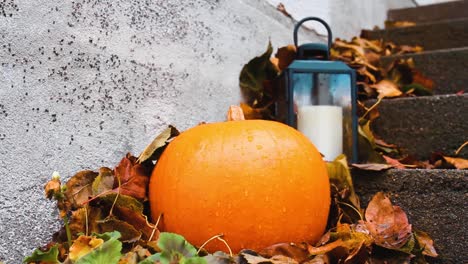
(246, 193)
(284, 209)
(217, 214)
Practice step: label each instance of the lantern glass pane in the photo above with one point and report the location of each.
(323, 111)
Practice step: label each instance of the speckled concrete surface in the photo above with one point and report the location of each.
(83, 82)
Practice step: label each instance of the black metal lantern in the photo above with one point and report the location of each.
(318, 97)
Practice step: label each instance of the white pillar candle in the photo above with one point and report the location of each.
(323, 125)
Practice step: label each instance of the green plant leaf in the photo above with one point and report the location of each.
(151, 259)
(170, 242)
(107, 253)
(50, 256)
(194, 260)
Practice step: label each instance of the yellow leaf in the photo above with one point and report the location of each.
(387, 88)
(83, 245)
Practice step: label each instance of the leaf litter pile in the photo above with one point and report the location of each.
(106, 220)
(105, 213)
(375, 82)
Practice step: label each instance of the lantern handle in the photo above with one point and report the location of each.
(298, 25)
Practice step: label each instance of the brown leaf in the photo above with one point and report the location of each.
(386, 88)
(298, 252)
(80, 188)
(426, 243)
(85, 220)
(252, 259)
(372, 166)
(387, 224)
(151, 151)
(129, 233)
(395, 163)
(403, 49)
(398, 24)
(282, 9)
(357, 49)
(458, 163)
(352, 244)
(132, 178)
(285, 56)
(439, 160)
(130, 210)
(103, 182)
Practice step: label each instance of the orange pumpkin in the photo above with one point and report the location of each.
(256, 182)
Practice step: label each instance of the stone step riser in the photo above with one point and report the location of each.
(432, 36)
(423, 125)
(437, 12)
(434, 200)
(447, 68)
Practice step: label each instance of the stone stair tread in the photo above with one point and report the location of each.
(444, 34)
(434, 200)
(423, 125)
(434, 12)
(447, 68)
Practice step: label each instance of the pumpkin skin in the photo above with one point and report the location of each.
(257, 182)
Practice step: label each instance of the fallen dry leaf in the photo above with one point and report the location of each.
(151, 151)
(132, 178)
(439, 160)
(386, 89)
(298, 252)
(395, 163)
(458, 163)
(426, 243)
(387, 224)
(372, 166)
(83, 245)
(80, 187)
(285, 56)
(398, 24)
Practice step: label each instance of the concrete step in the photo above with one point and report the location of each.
(422, 125)
(447, 68)
(444, 34)
(435, 12)
(434, 200)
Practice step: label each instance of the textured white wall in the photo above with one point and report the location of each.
(346, 17)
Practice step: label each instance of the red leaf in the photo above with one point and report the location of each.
(132, 178)
(395, 163)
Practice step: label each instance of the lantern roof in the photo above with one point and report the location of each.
(319, 66)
